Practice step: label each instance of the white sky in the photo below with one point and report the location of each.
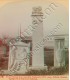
(12, 14)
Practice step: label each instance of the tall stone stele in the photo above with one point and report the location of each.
(37, 37)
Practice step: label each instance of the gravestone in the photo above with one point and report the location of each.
(18, 57)
(59, 52)
(37, 37)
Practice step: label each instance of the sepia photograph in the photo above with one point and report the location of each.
(34, 38)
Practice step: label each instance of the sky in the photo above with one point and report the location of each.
(16, 12)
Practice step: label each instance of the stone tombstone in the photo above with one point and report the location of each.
(18, 57)
(59, 52)
(37, 37)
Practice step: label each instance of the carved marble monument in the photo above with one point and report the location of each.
(59, 52)
(18, 60)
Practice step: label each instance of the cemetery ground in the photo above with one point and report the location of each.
(50, 71)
